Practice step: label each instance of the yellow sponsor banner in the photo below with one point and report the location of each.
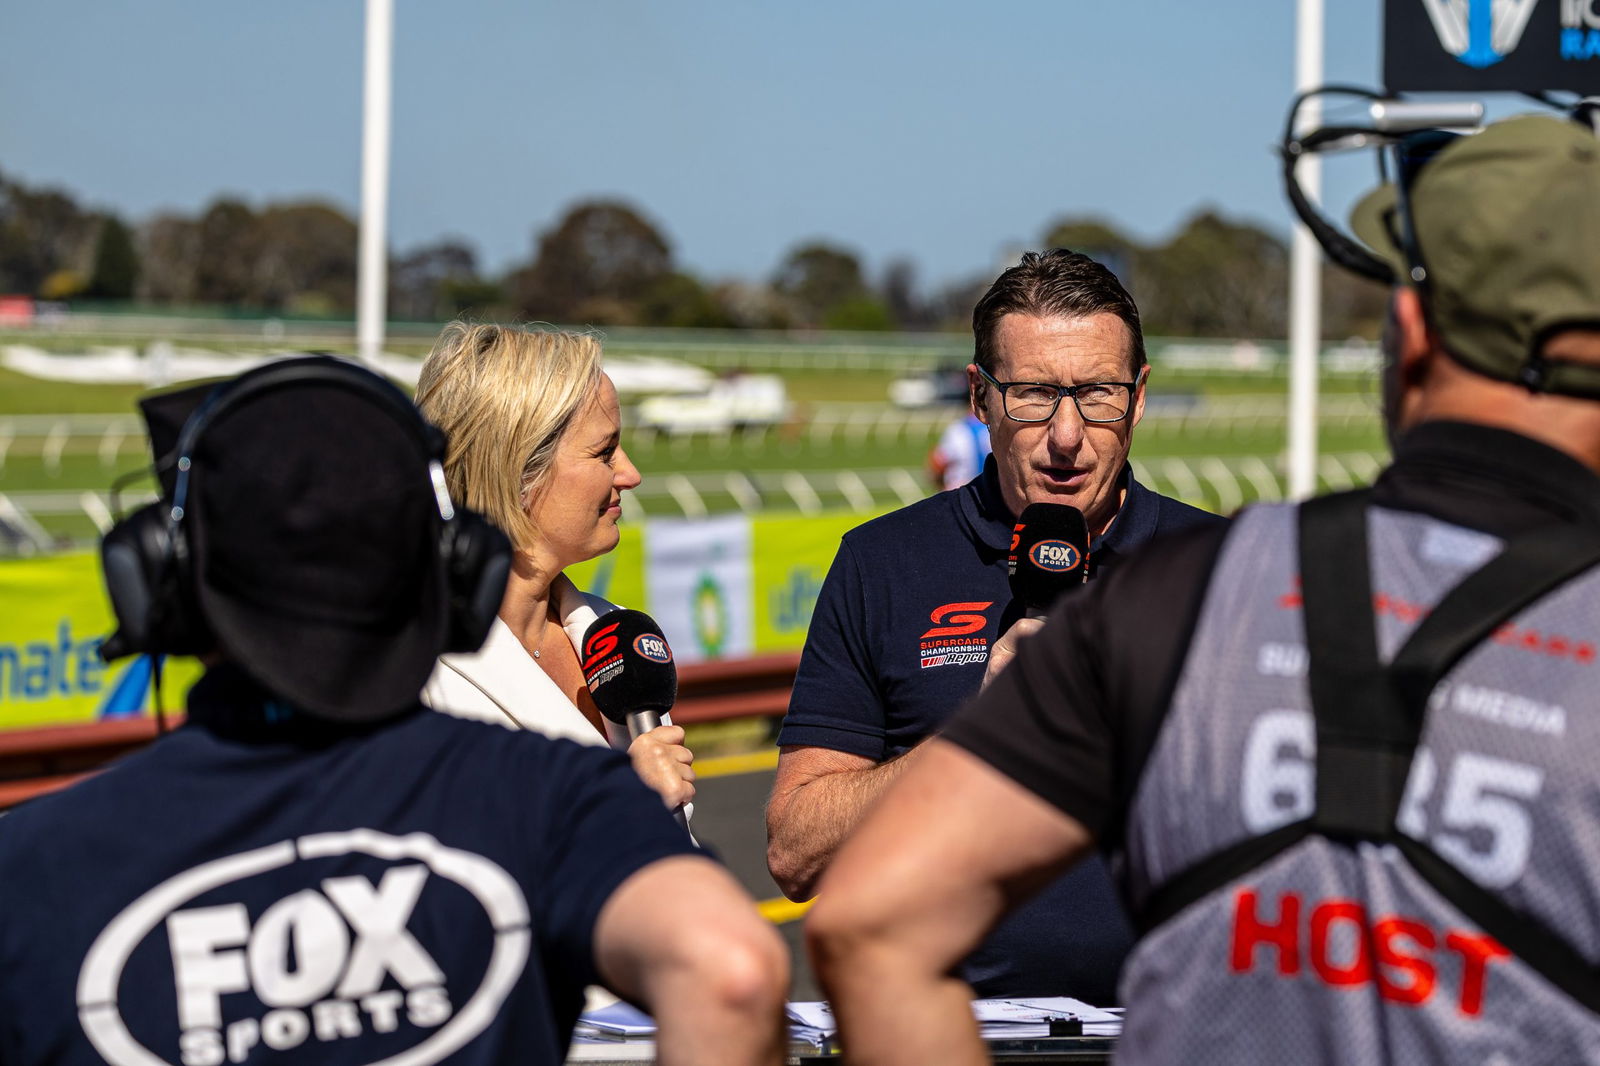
(618, 575)
(789, 558)
(53, 615)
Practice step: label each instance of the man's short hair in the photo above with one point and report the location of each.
(1059, 283)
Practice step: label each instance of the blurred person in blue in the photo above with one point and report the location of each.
(312, 868)
(535, 436)
(958, 456)
(917, 606)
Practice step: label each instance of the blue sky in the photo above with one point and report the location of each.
(946, 132)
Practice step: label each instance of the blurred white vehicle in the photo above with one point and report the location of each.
(730, 403)
(929, 389)
(647, 375)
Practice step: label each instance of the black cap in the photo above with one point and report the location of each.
(313, 529)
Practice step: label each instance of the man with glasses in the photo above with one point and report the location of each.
(1344, 750)
(913, 610)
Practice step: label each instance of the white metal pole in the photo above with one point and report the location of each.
(372, 270)
(1305, 271)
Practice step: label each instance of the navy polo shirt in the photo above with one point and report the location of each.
(258, 885)
(900, 638)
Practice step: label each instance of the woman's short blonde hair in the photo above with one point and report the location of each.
(504, 397)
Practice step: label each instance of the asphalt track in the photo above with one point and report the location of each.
(729, 819)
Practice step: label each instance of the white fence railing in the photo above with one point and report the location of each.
(38, 520)
(38, 450)
(51, 438)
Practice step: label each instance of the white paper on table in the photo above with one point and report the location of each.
(1018, 1019)
(1038, 1009)
(811, 1021)
(1030, 1018)
(814, 1014)
(620, 1019)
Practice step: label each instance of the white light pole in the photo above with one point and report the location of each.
(1305, 270)
(372, 269)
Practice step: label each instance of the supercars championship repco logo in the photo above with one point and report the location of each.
(951, 642)
(316, 961)
(601, 662)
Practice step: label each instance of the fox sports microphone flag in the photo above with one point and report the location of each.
(1049, 554)
(628, 666)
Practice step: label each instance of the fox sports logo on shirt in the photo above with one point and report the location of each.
(340, 952)
(1056, 556)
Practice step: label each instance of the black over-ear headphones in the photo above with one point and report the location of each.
(146, 556)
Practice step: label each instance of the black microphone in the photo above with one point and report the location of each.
(1049, 554)
(628, 667)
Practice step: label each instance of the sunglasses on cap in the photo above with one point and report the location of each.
(1412, 154)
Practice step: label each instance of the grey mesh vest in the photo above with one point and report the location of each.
(1339, 952)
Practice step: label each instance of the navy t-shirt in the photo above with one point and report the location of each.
(260, 886)
(900, 639)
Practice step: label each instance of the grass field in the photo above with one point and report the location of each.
(843, 438)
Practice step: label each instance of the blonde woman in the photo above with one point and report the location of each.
(535, 445)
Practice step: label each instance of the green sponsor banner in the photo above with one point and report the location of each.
(53, 616)
(790, 557)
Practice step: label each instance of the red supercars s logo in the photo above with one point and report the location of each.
(598, 646)
(959, 622)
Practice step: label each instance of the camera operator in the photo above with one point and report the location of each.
(315, 868)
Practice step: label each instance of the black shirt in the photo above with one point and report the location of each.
(913, 602)
(900, 638)
(261, 885)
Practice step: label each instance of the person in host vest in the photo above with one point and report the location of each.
(1345, 752)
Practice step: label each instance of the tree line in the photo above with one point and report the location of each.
(604, 262)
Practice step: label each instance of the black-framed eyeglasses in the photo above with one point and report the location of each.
(1036, 401)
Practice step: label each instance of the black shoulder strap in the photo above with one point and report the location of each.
(1529, 568)
(1369, 717)
(1215, 872)
(1365, 739)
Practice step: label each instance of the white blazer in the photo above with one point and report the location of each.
(500, 682)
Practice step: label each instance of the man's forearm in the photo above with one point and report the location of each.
(896, 1013)
(918, 886)
(808, 823)
(683, 940)
(695, 1028)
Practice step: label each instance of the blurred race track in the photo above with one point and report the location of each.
(729, 819)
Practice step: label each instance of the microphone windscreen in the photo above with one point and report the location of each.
(1049, 553)
(628, 666)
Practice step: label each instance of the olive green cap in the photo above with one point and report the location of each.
(1508, 225)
